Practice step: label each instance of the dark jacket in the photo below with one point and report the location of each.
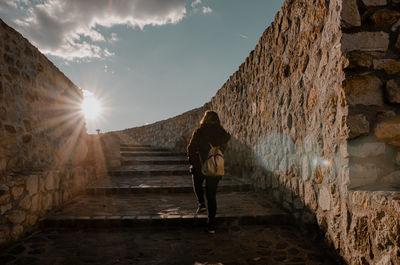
(199, 143)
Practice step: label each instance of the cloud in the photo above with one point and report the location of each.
(196, 3)
(207, 10)
(70, 29)
(113, 37)
(243, 36)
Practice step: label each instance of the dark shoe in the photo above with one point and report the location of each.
(202, 209)
(211, 229)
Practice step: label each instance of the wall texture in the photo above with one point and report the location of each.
(314, 115)
(43, 142)
(173, 133)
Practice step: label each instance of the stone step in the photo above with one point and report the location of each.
(152, 170)
(135, 145)
(144, 154)
(159, 184)
(164, 190)
(136, 173)
(162, 210)
(145, 149)
(154, 161)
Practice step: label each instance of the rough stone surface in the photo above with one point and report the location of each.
(350, 15)
(397, 45)
(385, 18)
(367, 149)
(365, 41)
(393, 90)
(375, 2)
(16, 216)
(30, 145)
(324, 199)
(16, 192)
(239, 245)
(389, 131)
(358, 125)
(365, 90)
(32, 184)
(390, 66)
(357, 59)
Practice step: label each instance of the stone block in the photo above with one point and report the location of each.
(17, 192)
(36, 203)
(5, 207)
(350, 14)
(16, 216)
(4, 235)
(3, 163)
(17, 231)
(366, 149)
(392, 178)
(25, 203)
(32, 184)
(388, 131)
(365, 41)
(324, 199)
(31, 219)
(393, 90)
(51, 181)
(364, 90)
(359, 59)
(375, 2)
(358, 125)
(384, 18)
(298, 204)
(4, 194)
(310, 197)
(47, 202)
(10, 129)
(363, 174)
(397, 158)
(397, 45)
(390, 66)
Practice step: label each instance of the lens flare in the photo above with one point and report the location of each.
(91, 106)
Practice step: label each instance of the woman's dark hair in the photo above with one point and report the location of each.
(210, 117)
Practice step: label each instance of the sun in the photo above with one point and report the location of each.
(91, 106)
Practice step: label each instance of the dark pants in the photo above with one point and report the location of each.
(211, 192)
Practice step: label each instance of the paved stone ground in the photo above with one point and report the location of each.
(230, 245)
(137, 217)
(157, 182)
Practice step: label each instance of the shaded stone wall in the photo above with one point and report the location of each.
(371, 44)
(44, 147)
(173, 133)
(313, 112)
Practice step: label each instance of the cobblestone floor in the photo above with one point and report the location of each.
(234, 245)
(156, 181)
(180, 204)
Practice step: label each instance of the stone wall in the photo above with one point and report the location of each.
(313, 112)
(44, 148)
(162, 133)
(371, 44)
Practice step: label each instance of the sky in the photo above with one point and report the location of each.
(145, 60)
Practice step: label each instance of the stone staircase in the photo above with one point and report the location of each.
(153, 187)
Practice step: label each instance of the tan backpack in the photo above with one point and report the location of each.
(214, 164)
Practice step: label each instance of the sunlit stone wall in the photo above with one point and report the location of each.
(173, 133)
(43, 142)
(314, 115)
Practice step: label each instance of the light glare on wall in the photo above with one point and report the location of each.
(91, 106)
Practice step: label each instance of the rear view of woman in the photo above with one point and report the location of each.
(209, 133)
